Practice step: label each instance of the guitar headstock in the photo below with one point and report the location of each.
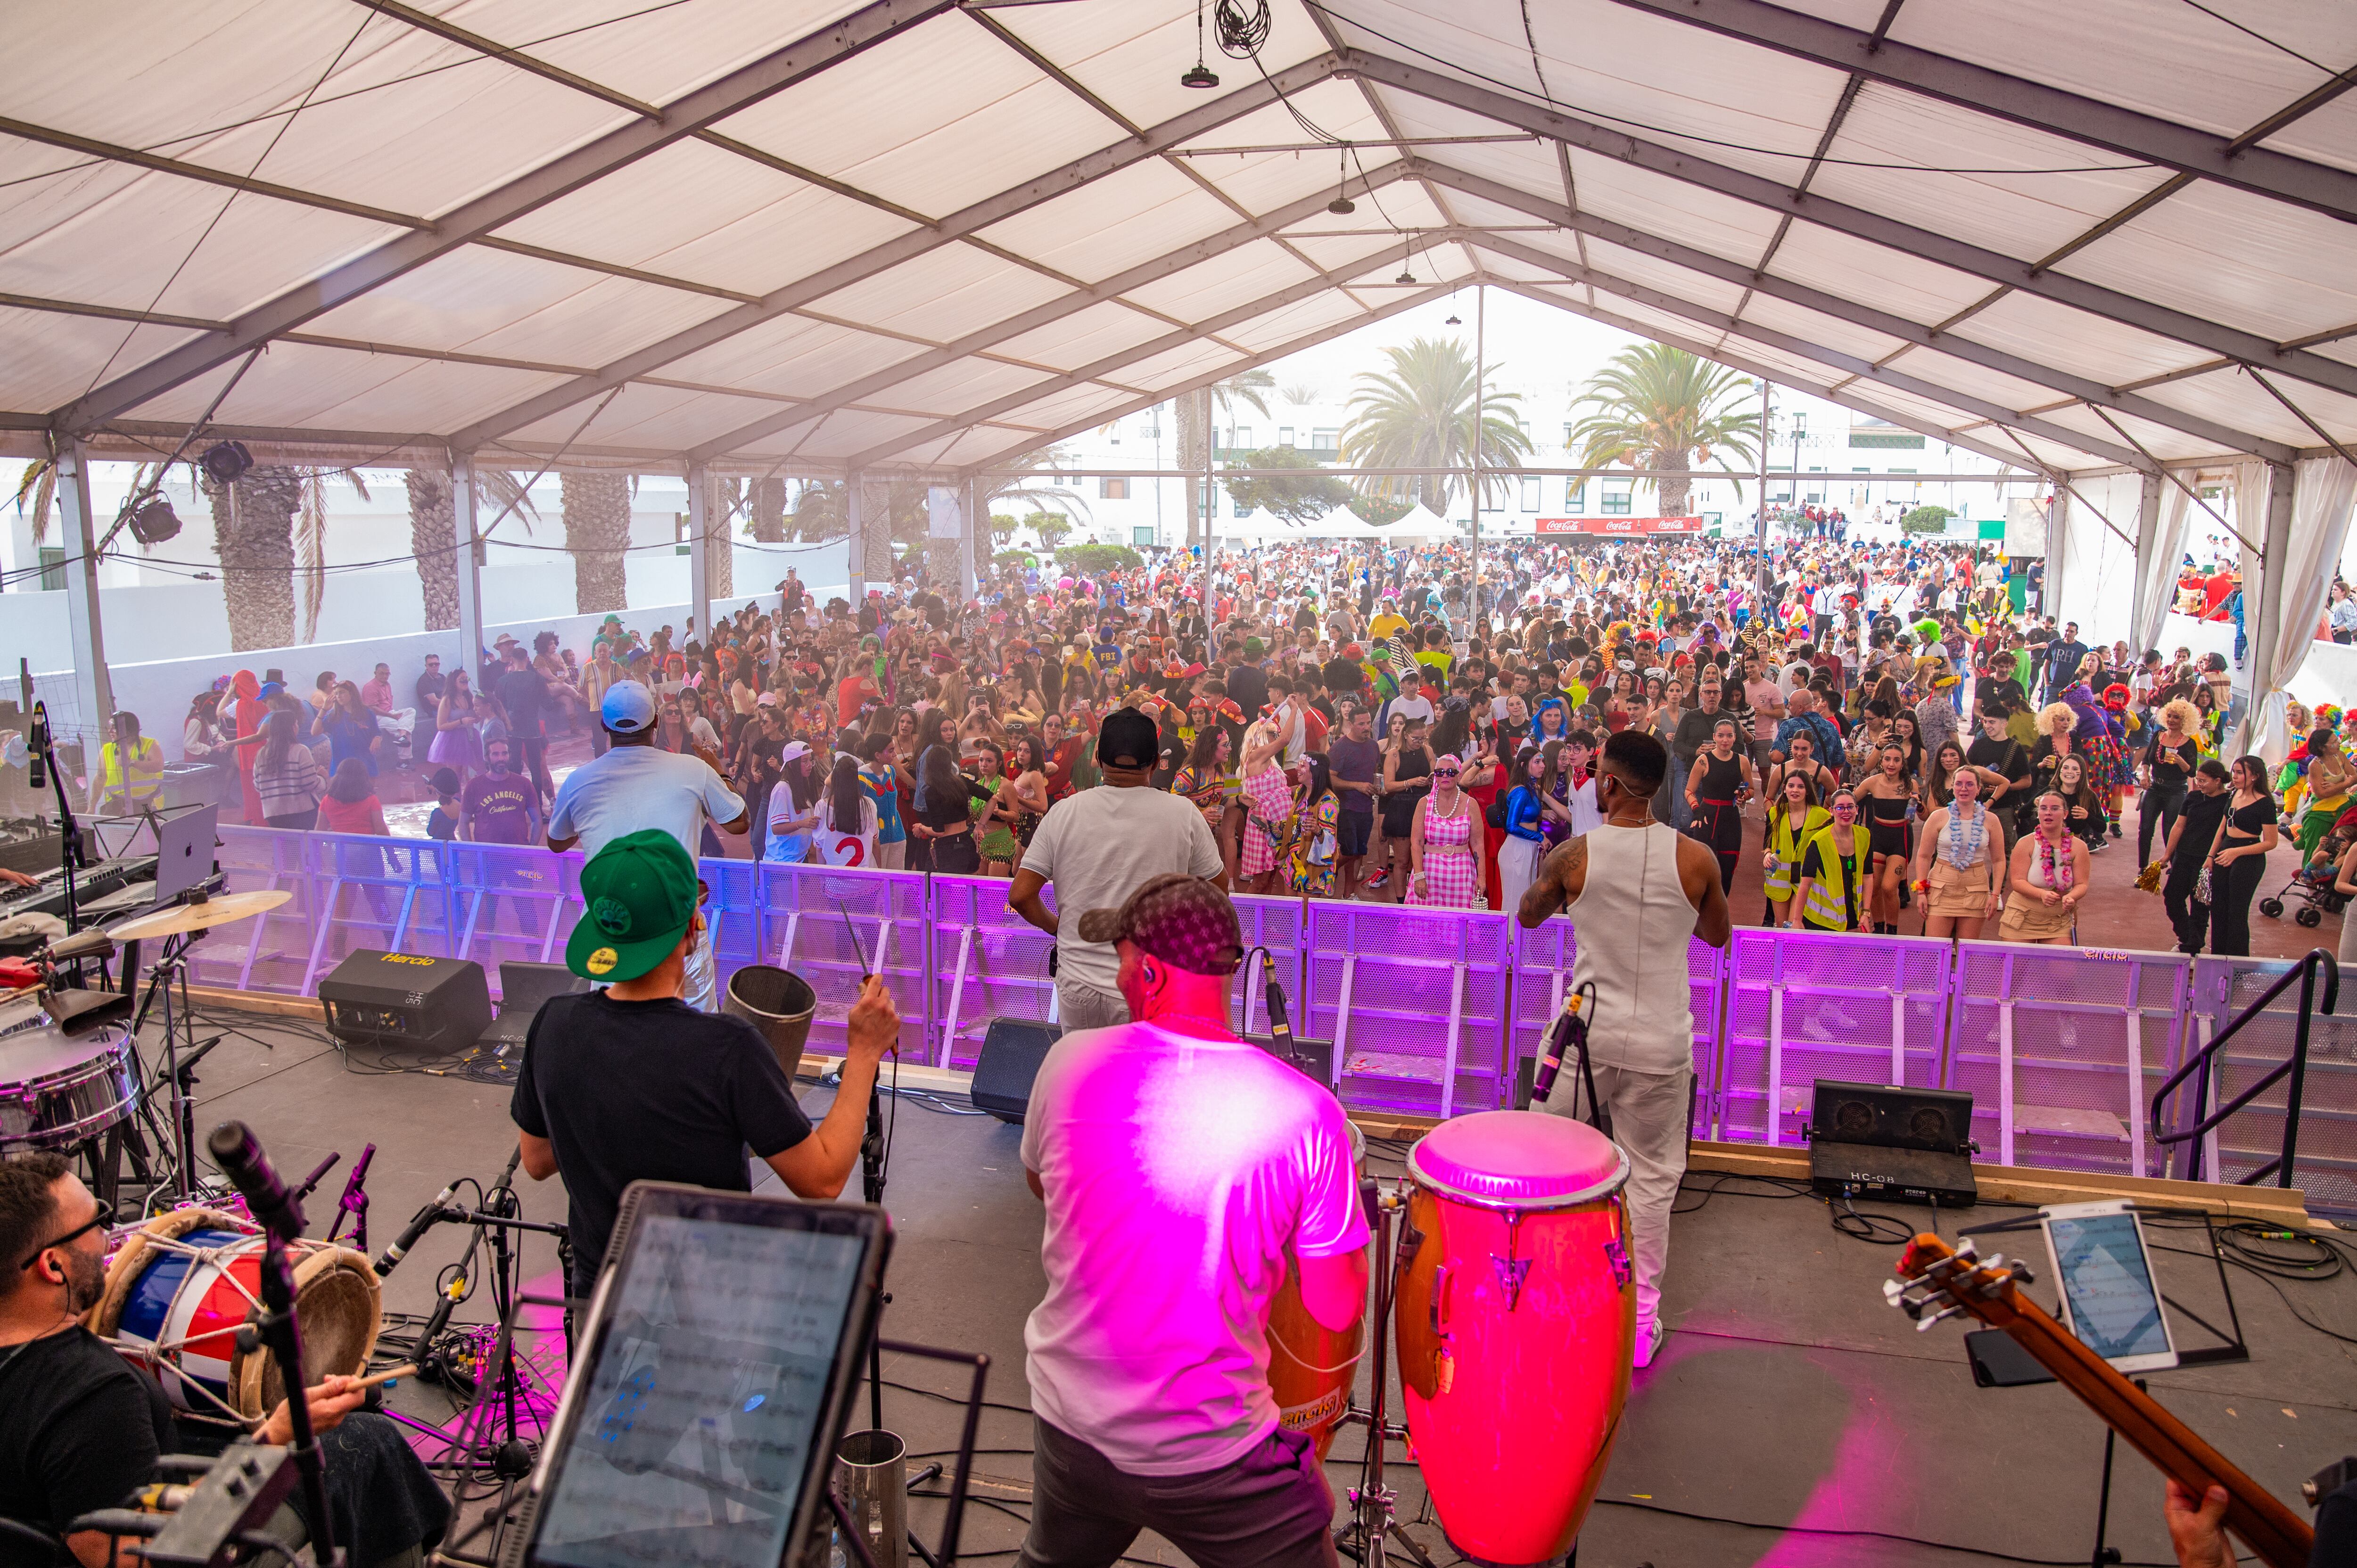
(1935, 1281)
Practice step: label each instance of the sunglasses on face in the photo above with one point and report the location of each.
(105, 1216)
(1444, 773)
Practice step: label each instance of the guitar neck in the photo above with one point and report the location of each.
(2269, 1528)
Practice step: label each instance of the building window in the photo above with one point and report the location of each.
(1241, 437)
(1615, 497)
(1284, 435)
(1236, 507)
(1816, 487)
(1530, 492)
(1575, 496)
(1113, 488)
(53, 567)
(1142, 537)
(1325, 441)
(1895, 440)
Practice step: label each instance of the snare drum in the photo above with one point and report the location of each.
(56, 1088)
(184, 1283)
(1310, 1366)
(1516, 1319)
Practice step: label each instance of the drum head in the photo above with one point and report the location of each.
(1523, 1160)
(105, 1318)
(336, 1304)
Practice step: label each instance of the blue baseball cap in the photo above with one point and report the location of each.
(629, 708)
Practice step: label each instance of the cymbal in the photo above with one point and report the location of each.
(219, 912)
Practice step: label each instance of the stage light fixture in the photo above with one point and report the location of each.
(225, 462)
(1199, 74)
(154, 521)
(1342, 206)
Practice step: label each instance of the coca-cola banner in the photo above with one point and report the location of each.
(1619, 525)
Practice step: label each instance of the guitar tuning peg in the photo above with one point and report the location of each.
(2022, 1274)
(1924, 1324)
(1892, 1290)
(1965, 1250)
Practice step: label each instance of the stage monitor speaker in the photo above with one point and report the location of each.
(407, 1000)
(1011, 1054)
(1872, 1140)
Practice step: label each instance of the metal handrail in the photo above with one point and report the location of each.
(2296, 1067)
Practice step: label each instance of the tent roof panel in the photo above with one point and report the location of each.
(793, 356)
(1146, 210)
(699, 212)
(1293, 321)
(2233, 397)
(1974, 381)
(663, 419)
(2161, 440)
(2233, 257)
(1246, 273)
(2071, 339)
(1861, 270)
(48, 359)
(1060, 409)
(960, 384)
(2027, 215)
(1667, 276)
(1084, 336)
(300, 385)
(967, 116)
(1173, 366)
(845, 433)
(2326, 135)
(642, 52)
(1686, 213)
(1123, 53)
(941, 295)
(1815, 327)
(1258, 181)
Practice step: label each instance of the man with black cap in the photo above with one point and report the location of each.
(1098, 846)
(1185, 1172)
(628, 1083)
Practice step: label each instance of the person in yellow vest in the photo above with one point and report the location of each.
(130, 771)
(1833, 865)
(1794, 818)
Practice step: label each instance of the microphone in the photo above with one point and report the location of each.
(353, 1204)
(239, 1155)
(36, 742)
(423, 1222)
(1560, 1040)
(1279, 1029)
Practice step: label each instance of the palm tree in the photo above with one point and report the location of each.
(254, 529)
(1658, 407)
(1419, 415)
(1197, 416)
(434, 544)
(597, 534)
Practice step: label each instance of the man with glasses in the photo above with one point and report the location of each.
(80, 1429)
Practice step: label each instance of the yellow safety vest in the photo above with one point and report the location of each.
(1829, 895)
(1786, 840)
(146, 754)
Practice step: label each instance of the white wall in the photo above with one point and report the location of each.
(2329, 674)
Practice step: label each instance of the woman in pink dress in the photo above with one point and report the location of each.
(1446, 846)
(1268, 808)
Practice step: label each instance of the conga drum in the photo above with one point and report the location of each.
(1310, 1366)
(1517, 1318)
(182, 1285)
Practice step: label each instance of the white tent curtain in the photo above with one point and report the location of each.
(2098, 568)
(2321, 491)
(2164, 547)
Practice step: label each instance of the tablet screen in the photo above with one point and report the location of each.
(697, 1424)
(2115, 1307)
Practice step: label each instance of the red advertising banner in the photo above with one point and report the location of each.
(1619, 525)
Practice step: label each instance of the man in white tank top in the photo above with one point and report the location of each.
(1636, 890)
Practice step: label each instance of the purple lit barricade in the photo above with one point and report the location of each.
(2061, 1048)
(271, 951)
(2326, 1168)
(989, 962)
(820, 921)
(1543, 964)
(1802, 1005)
(385, 894)
(1276, 924)
(1414, 1001)
(512, 901)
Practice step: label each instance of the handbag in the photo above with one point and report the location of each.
(2201, 886)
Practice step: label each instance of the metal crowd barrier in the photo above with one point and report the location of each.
(1429, 1012)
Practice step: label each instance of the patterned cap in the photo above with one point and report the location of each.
(1180, 919)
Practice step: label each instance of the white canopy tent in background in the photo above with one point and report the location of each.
(922, 239)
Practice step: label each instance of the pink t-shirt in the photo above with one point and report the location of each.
(1761, 694)
(1179, 1171)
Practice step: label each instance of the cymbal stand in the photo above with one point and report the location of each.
(1373, 1518)
(171, 970)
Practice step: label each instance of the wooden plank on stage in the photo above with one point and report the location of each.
(275, 1003)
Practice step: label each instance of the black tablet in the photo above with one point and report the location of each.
(709, 1382)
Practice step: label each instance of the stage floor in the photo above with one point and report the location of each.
(1790, 1407)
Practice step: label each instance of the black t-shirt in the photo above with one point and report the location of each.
(78, 1430)
(2201, 814)
(648, 1091)
(522, 693)
(1248, 689)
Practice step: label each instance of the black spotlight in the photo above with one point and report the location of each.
(1405, 276)
(1452, 320)
(225, 462)
(154, 521)
(1342, 207)
(1198, 75)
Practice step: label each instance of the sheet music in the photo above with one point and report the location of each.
(697, 1426)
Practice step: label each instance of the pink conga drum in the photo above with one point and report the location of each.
(1517, 1318)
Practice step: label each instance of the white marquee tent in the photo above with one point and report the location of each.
(921, 238)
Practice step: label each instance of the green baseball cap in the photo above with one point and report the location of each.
(638, 895)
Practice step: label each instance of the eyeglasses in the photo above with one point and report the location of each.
(1444, 773)
(105, 1216)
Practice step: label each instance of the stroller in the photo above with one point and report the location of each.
(2312, 885)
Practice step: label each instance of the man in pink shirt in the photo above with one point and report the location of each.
(377, 695)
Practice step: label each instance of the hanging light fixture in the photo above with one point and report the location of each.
(1406, 273)
(1199, 74)
(1342, 206)
(1452, 320)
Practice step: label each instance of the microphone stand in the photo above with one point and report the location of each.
(45, 755)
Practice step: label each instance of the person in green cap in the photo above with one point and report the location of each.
(629, 1083)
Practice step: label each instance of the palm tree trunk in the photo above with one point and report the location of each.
(596, 532)
(255, 527)
(1194, 430)
(719, 551)
(434, 540)
(768, 509)
(875, 543)
(1673, 492)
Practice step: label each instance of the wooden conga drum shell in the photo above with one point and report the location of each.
(1515, 1324)
(1310, 1366)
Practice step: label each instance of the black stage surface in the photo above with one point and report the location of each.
(1793, 1418)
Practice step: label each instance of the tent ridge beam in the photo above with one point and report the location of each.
(980, 215)
(557, 176)
(2064, 288)
(2128, 132)
(1740, 275)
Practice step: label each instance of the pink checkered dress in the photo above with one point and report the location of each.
(1447, 858)
(1268, 804)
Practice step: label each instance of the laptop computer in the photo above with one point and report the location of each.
(523, 988)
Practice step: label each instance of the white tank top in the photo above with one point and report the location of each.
(1632, 922)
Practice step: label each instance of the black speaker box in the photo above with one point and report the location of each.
(407, 1000)
(1872, 1140)
(1011, 1054)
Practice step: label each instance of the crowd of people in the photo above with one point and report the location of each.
(1888, 732)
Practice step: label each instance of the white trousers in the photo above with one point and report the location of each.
(1648, 1122)
(699, 987)
(1518, 867)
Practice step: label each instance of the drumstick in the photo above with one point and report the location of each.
(407, 1370)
